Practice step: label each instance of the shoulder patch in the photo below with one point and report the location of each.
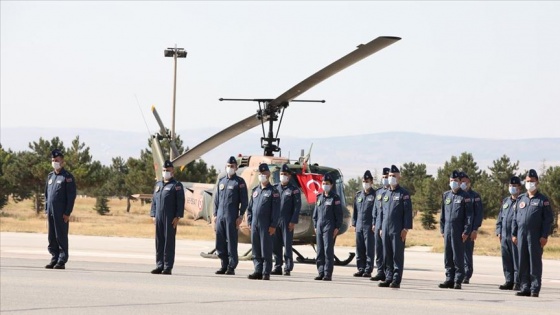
(69, 179)
(337, 202)
(467, 199)
(178, 188)
(295, 191)
(477, 199)
(546, 203)
(241, 185)
(275, 195)
(406, 197)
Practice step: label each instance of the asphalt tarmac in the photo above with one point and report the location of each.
(111, 275)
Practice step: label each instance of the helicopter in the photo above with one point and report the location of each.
(199, 196)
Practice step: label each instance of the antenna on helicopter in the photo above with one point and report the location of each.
(268, 112)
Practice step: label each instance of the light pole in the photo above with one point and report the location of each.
(175, 53)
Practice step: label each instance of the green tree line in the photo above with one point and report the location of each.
(426, 190)
(23, 174)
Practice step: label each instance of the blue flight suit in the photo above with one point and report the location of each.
(377, 221)
(168, 203)
(478, 215)
(290, 206)
(456, 220)
(60, 194)
(396, 215)
(362, 220)
(504, 222)
(263, 213)
(532, 221)
(327, 216)
(230, 203)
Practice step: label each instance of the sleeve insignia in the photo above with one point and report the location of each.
(69, 179)
(405, 197)
(546, 203)
(295, 191)
(337, 202)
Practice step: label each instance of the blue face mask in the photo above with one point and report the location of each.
(327, 188)
(513, 190)
(454, 185)
(385, 181)
(463, 186)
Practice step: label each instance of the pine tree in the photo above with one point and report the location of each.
(101, 205)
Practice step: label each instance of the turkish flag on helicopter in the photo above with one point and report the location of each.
(310, 185)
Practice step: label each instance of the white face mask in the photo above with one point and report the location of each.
(166, 175)
(454, 185)
(230, 171)
(512, 190)
(284, 179)
(463, 186)
(262, 178)
(531, 186)
(385, 181)
(393, 181)
(327, 188)
(56, 165)
(366, 185)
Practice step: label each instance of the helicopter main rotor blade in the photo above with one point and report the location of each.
(250, 122)
(163, 131)
(217, 139)
(362, 52)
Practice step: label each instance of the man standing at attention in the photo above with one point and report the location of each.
(396, 221)
(230, 204)
(262, 217)
(530, 230)
(478, 215)
(60, 194)
(362, 218)
(510, 258)
(327, 220)
(377, 208)
(455, 226)
(290, 206)
(168, 206)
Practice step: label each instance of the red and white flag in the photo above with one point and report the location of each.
(310, 185)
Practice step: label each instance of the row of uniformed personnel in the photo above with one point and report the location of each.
(381, 218)
(521, 225)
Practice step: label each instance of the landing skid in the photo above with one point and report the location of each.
(337, 261)
(212, 254)
(299, 258)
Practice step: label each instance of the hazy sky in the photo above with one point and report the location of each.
(475, 69)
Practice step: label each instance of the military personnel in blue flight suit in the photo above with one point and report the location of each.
(478, 215)
(168, 206)
(362, 220)
(530, 229)
(262, 216)
(379, 260)
(230, 204)
(327, 220)
(290, 206)
(455, 227)
(396, 220)
(504, 222)
(60, 194)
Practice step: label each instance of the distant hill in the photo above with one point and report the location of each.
(352, 154)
